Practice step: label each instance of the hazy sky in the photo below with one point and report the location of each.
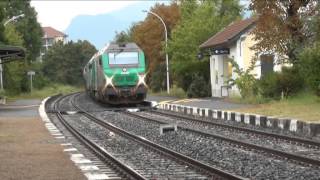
(59, 14)
(81, 19)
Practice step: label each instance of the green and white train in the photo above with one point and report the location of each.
(116, 74)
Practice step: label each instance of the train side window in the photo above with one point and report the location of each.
(100, 61)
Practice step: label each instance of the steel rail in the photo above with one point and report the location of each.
(243, 129)
(240, 143)
(175, 155)
(99, 151)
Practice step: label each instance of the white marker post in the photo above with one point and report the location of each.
(31, 73)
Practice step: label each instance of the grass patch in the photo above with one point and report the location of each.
(250, 100)
(305, 106)
(174, 92)
(47, 91)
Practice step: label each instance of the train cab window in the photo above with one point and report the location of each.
(120, 58)
(90, 66)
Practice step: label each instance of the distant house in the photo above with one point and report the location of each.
(235, 42)
(51, 36)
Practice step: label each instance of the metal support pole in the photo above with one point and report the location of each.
(1, 78)
(31, 83)
(166, 39)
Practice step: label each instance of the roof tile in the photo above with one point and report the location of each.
(227, 34)
(50, 32)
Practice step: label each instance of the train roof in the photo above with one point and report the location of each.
(112, 47)
(122, 47)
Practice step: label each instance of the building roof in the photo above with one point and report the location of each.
(50, 32)
(229, 33)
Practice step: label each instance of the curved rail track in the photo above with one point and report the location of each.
(282, 154)
(203, 171)
(209, 171)
(120, 168)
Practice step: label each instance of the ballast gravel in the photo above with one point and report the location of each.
(150, 164)
(265, 141)
(214, 152)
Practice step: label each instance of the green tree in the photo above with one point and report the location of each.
(125, 36)
(15, 72)
(63, 63)
(25, 32)
(149, 34)
(2, 16)
(310, 66)
(199, 21)
(245, 80)
(283, 26)
(27, 26)
(158, 78)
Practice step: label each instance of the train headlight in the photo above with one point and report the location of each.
(109, 81)
(141, 80)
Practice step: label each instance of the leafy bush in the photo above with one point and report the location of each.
(246, 82)
(2, 93)
(177, 92)
(268, 86)
(198, 87)
(185, 72)
(247, 85)
(158, 78)
(310, 66)
(288, 81)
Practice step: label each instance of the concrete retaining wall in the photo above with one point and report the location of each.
(305, 128)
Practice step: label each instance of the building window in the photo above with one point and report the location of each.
(50, 41)
(266, 63)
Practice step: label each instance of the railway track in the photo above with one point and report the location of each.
(194, 170)
(177, 165)
(293, 140)
(96, 122)
(294, 157)
(119, 168)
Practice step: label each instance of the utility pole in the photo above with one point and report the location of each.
(166, 39)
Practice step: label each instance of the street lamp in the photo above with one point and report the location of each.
(14, 18)
(166, 36)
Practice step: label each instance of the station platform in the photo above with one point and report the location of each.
(217, 108)
(212, 103)
(27, 150)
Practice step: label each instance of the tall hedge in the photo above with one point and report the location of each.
(310, 67)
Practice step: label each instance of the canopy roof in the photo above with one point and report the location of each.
(11, 53)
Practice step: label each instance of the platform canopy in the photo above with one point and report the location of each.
(11, 53)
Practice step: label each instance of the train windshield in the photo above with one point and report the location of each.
(118, 58)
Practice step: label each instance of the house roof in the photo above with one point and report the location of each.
(50, 32)
(229, 33)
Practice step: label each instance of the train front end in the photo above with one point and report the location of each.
(124, 71)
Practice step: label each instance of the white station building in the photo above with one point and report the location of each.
(235, 42)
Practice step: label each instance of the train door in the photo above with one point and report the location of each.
(89, 77)
(93, 75)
